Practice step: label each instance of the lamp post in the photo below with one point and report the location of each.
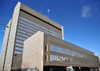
(4, 25)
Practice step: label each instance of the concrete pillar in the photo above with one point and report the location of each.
(12, 38)
(33, 51)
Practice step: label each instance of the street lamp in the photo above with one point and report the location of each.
(4, 25)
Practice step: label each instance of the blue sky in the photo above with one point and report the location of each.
(80, 19)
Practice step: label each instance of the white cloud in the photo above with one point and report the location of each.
(48, 10)
(86, 11)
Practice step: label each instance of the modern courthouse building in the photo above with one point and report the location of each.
(35, 41)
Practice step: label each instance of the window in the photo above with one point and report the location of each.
(53, 57)
(50, 57)
(45, 48)
(45, 58)
(66, 51)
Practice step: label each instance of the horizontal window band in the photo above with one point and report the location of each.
(18, 46)
(25, 22)
(28, 25)
(38, 28)
(18, 50)
(34, 31)
(35, 27)
(19, 43)
(64, 55)
(26, 31)
(28, 28)
(25, 36)
(20, 39)
(23, 33)
(40, 19)
(22, 36)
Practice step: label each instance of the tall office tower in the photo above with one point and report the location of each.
(24, 23)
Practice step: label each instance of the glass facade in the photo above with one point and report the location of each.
(70, 60)
(65, 51)
(65, 56)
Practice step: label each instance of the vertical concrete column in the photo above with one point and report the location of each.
(62, 33)
(12, 37)
(49, 52)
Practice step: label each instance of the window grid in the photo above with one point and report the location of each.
(65, 51)
(40, 26)
(31, 26)
(70, 60)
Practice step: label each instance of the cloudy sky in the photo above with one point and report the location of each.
(80, 18)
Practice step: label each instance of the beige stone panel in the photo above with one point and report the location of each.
(62, 33)
(33, 51)
(12, 37)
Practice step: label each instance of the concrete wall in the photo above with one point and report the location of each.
(5, 44)
(26, 8)
(90, 60)
(12, 37)
(17, 62)
(38, 21)
(35, 20)
(33, 51)
(70, 45)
